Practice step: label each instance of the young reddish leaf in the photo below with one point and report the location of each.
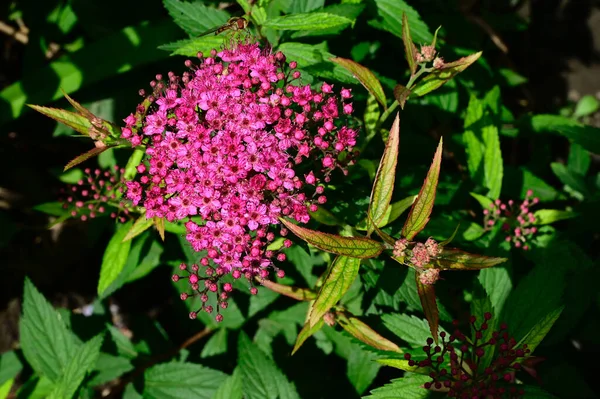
(365, 77)
(402, 364)
(78, 107)
(364, 333)
(383, 186)
(421, 209)
(430, 309)
(456, 259)
(356, 247)
(300, 294)
(409, 49)
(440, 76)
(159, 223)
(395, 210)
(141, 224)
(341, 275)
(401, 94)
(74, 121)
(85, 156)
(306, 332)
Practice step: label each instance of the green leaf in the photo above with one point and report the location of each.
(413, 330)
(383, 186)
(568, 178)
(402, 364)
(75, 121)
(195, 18)
(307, 332)
(299, 294)
(548, 216)
(364, 333)
(307, 22)
(149, 261)
(535, 336)
(322, 215)
(579, 159)
(358, 247)
(409, 387)
(511, 77)
(423, 205)
(341, 275)
(394, 211)
(10, 366)
(586, 106)
(497, 284)
(109, 368)
(125, 347)
(79, 365)
(132, 163)
(191, 47)
(362, 369)
(410, 51)
(46, 342)
(586, 136)
(141, 224)
(365, 77)
(392, 11)
(261, 379)
(456, 259)
(231, 388)
(181, 380)
(484, 201)
(305, 6)
(535, 392)
(51, 208)
(128, 48)
(114, 258)
(216, 345)
(439, 77)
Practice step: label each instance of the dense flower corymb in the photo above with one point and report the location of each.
(232, 146)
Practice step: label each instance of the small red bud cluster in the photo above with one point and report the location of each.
(428, 54)
(455, 363)
(97, 193)
(517, 222)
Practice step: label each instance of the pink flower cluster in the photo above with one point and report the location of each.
(98, 193)
(232, 146)
(420, 254)
(517, 222)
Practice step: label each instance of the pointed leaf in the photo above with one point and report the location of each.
(449, 239)
(408, 387)
(300, 294)
(85, 156)
(322, 215)
(231, 388)
(402, 364)
(410, 50)
(401, 94)
(365, 77)
(548, 216)
(195, 18)
(535, 336)
(159, 223)
(438, 77)
(421, 209)
(132, 163)
(391, 11)
(141, 224)
(306, 332)
(307, 22)
(78, 107)
(181, 380)
(341, 275)
(430, 309)
(114, 258)
(484, 201)
(383, 186)
(364, 333)
(75, 121)
(395, 210)
(586, 136)
(456, 259)
(358, 247)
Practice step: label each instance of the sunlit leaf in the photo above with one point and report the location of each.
(300, 294)
(364, 333)
(437, 78)
(365, 77)
(306, 332)
(456, 259)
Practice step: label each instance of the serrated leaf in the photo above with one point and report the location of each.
(423, 205)
(456, 259)
(365, 77)
(216, 345)
(79, 365)
(139, 226)
(181, 380)
(497, 284)
(231, 388)
(306, 332)
(261, 379)
(75, 121)
(484, 201)
(85, 156)
(10, 366)
(410, 51)
(364, 333)
(411, 329)
(535, 336)
(195, 18)
(410, 387)
(429, 305)
(342, 273)
(124, 345)
(383, 186)
(371, 117)
(362, 369)
(115, 257)
(191, 47)
(548, 216)
(307, 21)
(586, 136)
(46, 342)
(109, 368)
(402, 364)
(392, 12)
(300, 294)
(439, 77)
(358, 247)
(568, 178)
